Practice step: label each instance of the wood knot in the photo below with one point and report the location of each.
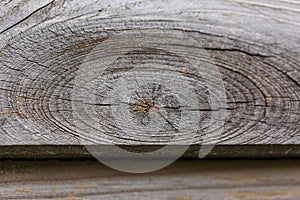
(144, 105)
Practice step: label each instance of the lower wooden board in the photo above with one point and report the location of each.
(183, 180)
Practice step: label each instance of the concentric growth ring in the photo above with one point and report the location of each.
(165, 65)
(147, 98)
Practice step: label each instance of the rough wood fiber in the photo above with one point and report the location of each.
(249, 180)
(254, 44)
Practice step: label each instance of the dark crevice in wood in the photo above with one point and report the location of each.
(25, 18)
(238, 50)
(67, 152)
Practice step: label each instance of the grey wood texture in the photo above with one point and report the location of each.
(183, 180)
(255, 45)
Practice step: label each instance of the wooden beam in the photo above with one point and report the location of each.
(254, 45)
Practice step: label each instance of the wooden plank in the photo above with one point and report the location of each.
(275, 179)
(253, 44)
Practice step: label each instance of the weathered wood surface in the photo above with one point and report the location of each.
(183, 180)
(254, 44)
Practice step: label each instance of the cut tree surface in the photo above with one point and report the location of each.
(222, 72)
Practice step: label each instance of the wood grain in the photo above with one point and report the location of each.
(247, 180)
(254, 44)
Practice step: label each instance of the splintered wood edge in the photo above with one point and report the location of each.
(65, 152)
